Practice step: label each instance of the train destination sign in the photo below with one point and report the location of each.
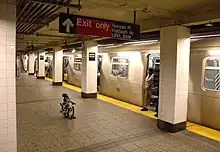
(82, 25)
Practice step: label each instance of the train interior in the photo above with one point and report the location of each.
(153, 62)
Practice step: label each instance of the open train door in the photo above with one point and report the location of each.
(153, 63)
(65, 67)
(99, 71)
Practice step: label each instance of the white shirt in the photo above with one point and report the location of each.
(46, 64)
(149, 81)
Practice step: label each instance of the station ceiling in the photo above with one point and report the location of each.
(37, 20)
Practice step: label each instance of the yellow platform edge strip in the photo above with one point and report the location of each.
(192, 127)
(48, 79)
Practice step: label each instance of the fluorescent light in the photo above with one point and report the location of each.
(105, 45)
(128, 43)
(205, 36)
(214, 52)
(209, 24)
(128, 54)
(113, 46)
(141, 42)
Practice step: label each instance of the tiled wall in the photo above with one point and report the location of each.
(57, 65)
(31, 63)
(174, 74)
(41, 72)
(89, 68)
(7, 76)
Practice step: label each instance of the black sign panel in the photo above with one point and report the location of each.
(67, 23)
(91, 56)
(41, 57)
(89, 26)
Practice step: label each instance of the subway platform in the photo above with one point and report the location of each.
(98, 127)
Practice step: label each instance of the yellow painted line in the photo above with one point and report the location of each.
(48, 79)
(204, 131)
(192, 127)
(127, 106)
(77, 89)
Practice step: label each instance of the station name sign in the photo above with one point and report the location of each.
(82, 25)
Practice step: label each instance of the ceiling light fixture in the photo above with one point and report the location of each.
(141, 42)
(209, 24)
(205, 36)
(105, 45)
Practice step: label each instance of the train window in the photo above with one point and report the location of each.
(212, 74)
(77, 66)
(120, 66)
(154, 61)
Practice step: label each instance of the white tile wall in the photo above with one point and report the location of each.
(7, 76)
(31, 62)
(89, 69)
(57, 64)
(174, 74)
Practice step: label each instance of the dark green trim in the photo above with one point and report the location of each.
(57, 83)
(173, 128)
(88, 95)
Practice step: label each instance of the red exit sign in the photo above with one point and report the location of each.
(92, 27)
(82, 25)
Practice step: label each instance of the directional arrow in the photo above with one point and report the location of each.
(68, 23)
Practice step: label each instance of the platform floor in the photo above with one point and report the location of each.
(98, 127)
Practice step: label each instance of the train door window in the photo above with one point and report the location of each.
(154, 61)
(99, 71)
(212, 73)
(120, 67)
(65, 67)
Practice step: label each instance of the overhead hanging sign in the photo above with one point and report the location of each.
(89, 26)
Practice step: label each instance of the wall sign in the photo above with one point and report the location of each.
(82, 25)
(41, 57)
(77, 59)
(91, 56)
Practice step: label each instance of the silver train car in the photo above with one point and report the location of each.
(123, 71)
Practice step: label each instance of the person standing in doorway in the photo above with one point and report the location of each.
(156, 89)
(148, 88)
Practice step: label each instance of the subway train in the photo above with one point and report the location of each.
(123, 68)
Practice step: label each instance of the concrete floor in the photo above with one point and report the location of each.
(98, 127)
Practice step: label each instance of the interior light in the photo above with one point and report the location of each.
(205, 36)
(141, 42)
(73, 51)
(114, 46)
(128, 43)
(128, 54)
(209, 24)
(105, 45)
(214, 52)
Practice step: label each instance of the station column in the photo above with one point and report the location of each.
(57, 66)
(31, 59)
(174, 77)
(8, 129)
(41, 65)
(89, 70)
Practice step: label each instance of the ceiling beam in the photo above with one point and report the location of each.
(30, 23)
(59, 4)
(46, 35)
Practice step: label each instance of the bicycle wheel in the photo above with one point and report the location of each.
(71, 112)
